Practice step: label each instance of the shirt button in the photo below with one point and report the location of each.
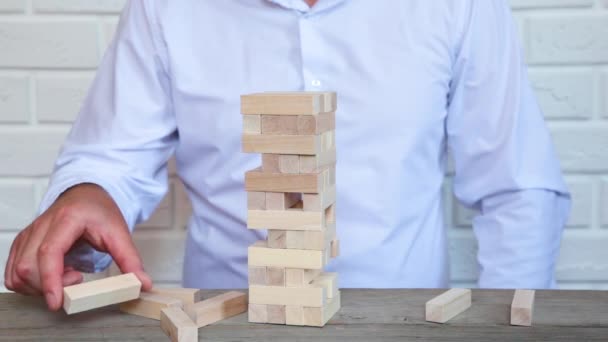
(316, 83)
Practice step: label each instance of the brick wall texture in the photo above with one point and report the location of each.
(49, 50)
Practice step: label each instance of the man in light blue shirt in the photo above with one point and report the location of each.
(415, 78)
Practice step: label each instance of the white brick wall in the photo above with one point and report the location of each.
(50, 48)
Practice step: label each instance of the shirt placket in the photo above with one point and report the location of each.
(311, 47)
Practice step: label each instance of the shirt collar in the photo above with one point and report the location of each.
(301, 6)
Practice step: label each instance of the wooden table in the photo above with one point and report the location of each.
(366, 315)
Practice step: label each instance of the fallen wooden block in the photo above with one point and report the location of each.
(280, 295)
(99, 293)
(260, 255)
(177, 325)
(186, 295)
(522, 307)
(149, 305)
(447, 305)
(217, 308)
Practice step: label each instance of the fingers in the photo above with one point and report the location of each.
(71, 278)
(8, 270)
(120, 246)
(58, 240)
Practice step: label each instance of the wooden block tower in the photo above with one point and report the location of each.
(292, 195)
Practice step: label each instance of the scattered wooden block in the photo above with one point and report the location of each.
(296, 277)
(257, 275)
(291, 219)
(149, 305)
(276, 314)
(320, 201)
(282, 200)
(256, 200)
(99, 293)
(522, 308)
(217, 308)
(447, 305)
(328, 281)
(259, 255)
(307, 124)
(257, 313)
(256, 180)
(276, 276)
(288, 103)
(288, 144)
(177, 325)
(279, 124)
(335, 248)
(252, 124)
(319, 316)
(186, 295)
(281, 295)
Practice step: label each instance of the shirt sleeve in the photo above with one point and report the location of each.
(503, 155)
(125, 131)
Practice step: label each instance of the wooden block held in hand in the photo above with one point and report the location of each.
(149, 305)
(99, 293)
(177, 325)
(447, 305)
(217, 308)
(522, 307)
(186, 295)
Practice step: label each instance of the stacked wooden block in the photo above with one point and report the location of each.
(292, 195)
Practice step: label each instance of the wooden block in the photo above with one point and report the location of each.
(291, 219)
(447, 305)
(270, 163)
(277, 239)
(288, 103)
(294, 315)
(297, 277)
(321, 123)
(311, 164)
(282, 200)
(177, 325)
(252, 124)
(257, 313)
(276, 276)
(276, 314)
(280, 295)
(335, 248)
(522, 307)
(330, 214)
(99, 293)
(314, 240)
(279, 124)
(256, 200)
(187, 296)
(217, 308)
(286, 258)
(288, 144)
(319, 316)
(289, 163)
(149, 305)
(257, 275)
(320, 201)
(256, 180)
(328, 281)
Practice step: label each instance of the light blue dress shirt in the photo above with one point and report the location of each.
(415, 78)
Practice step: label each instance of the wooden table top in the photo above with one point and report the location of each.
(366, 315)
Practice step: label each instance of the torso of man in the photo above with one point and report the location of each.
(390, 63)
